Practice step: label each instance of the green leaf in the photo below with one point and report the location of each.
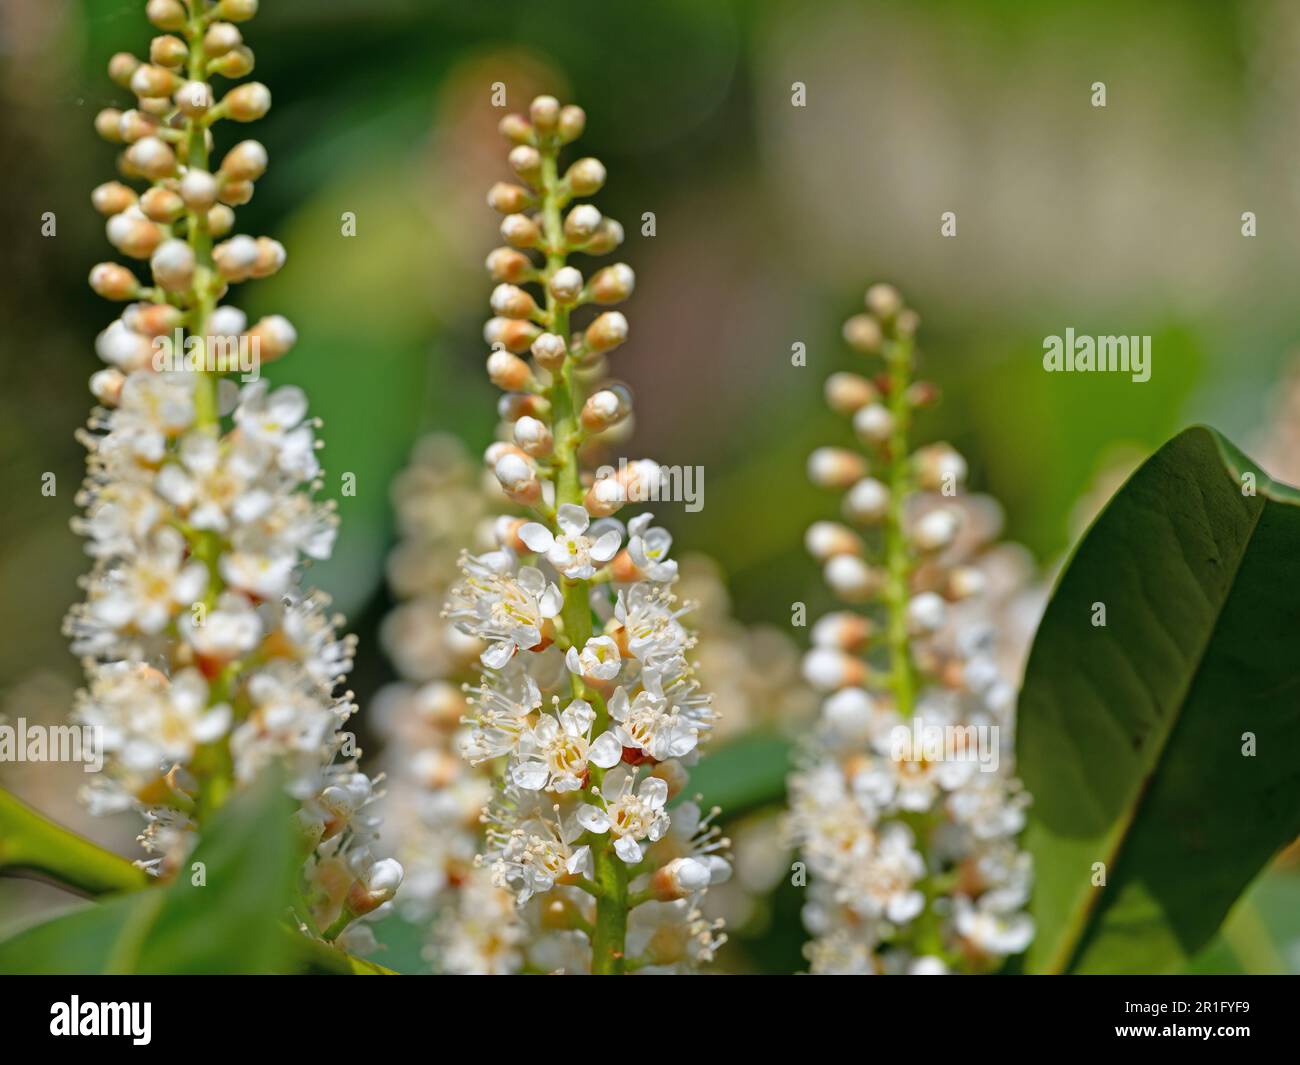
(742, 775)
(229, 923)
(1131, 734)
(33, 845)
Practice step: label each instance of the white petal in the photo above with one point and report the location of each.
(593, 818)
(497, 655)
(606, 547)
(572, 519)
(572, 661)
(537, 536)
(550, 602)
(628, 849)
(606, 751)
(579, 862)
(654, 791)
(213, 724)
(531, 776)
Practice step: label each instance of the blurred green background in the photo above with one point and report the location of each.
(770, 221)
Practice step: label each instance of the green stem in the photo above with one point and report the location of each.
(610, 873)
(898, 561)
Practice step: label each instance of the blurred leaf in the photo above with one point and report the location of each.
(33, 844)
(1131, 733)
(230, 924)
(743, 775)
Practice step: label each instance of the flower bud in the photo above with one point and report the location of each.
(167, 51)
(194, 98)
(152, 319)
(220, 38)
(520, 231)
(510, 301)
(613, 284)
(549, 350)
(847, 393)
(565, 285)
(121, 68)
(571, 123)
(939, 468)
(534, 437)
(114, 282)
(508, 198)
(544, 112)
(221, 220)
(515, 405)
(907, 323)
(112, 197)
(674, 774)
(236, 63)
(108, 124)
(246, 161)
(605, 408)
(585, 177)
(236, 193)
(884, 301)
(237, 10)
(380, 884)
(518, 477)
(155, 81)
(608, 236)
(825, 540)
(925, 614)
(526, 161)
(851, 578)
(867, 501)
(842, 629)
(829, 670)
(236, 257)
(198, 189)
(160, 107)
(270, 257)
(849, 713)
(965, 582)
(863, 334)
(516, 128)
(513, 334)
(936, 529)
(679, 879)
(607, 332)
(272, 337)
(509, 372)
(173, 265)
(507, 264)
(134, 125)
(581, 223)
(166, 14)
(106, 385)
(123, 348)
(227, 322)
(247, 102)
(133, 234)
(835, 467)
(152, 157)
(873, 424)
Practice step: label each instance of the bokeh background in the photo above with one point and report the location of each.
(770, 221)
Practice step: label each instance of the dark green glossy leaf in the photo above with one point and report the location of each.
(1131, 734)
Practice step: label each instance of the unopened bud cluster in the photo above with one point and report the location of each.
(206, 660)
(912, 844)
(587, 699)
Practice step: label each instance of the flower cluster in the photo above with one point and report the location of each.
(206, 661)
(905, 808)
(443, 500)
(587, 698)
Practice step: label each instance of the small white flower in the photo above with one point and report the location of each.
(599, 659)
(649, 549)
(650, 723)
(572, 553)
(555, 752)
(631, 818)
